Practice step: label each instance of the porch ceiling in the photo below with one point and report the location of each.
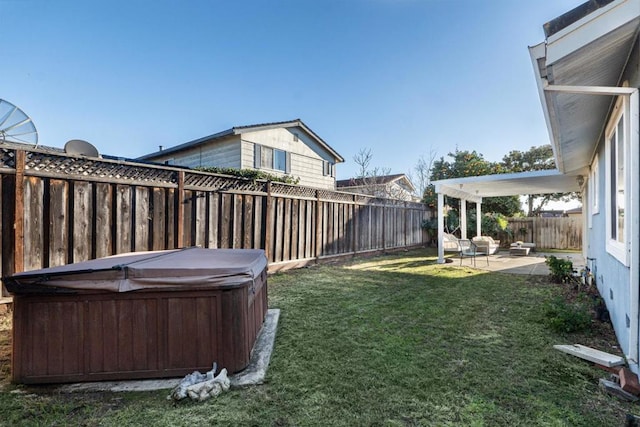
(509, 184)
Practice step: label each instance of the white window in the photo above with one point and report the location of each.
(271, 158)
(617, 183)
(328, 168)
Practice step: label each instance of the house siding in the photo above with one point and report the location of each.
(223, 154)
(307, 157)
(613, 279)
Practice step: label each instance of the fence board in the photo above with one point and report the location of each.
(237, 221)
(225, 220)
(286, 230)
(214, 201)
(201, 223)
(58, 222)
(187, 201)
(248, 221)
(123, 219)
(82, 220)
(158, 219)
(258, 222)
(141, 224)
(33, 223)
(104, 216)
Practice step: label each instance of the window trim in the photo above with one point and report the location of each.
(258, 152)
(621, 114)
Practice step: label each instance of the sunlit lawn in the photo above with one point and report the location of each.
(395, 340)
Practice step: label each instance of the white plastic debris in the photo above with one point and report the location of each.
(201, 387)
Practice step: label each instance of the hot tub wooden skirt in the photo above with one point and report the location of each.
(132, 335)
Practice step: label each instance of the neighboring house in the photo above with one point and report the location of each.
(553, 213)
(282, 148)
(588, 75)
(574, 213)
(387, 186)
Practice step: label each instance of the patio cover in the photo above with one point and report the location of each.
(179, 268)
(473, 189)
(509, 184)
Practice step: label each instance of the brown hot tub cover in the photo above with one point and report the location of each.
(180, 268)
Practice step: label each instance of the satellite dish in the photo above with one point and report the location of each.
(15, 125)
(83, 148)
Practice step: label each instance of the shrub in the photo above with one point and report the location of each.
(563, 316)
(561, 269)
(250, 174)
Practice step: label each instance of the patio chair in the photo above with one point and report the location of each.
(470, 249)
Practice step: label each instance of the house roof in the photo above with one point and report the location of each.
(375, 180)
(239, 130)
(578, 69)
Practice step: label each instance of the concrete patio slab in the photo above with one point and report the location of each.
(532, 264)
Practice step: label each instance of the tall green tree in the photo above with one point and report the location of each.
(470, 163)
(536, 158)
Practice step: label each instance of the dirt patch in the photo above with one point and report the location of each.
(601, 335)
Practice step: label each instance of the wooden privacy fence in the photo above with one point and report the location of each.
(546, 233)
(58, 209)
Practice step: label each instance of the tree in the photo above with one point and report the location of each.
(373, 178)
(537, 158)
(422, 170)
(464, 164)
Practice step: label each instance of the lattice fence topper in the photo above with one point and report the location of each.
(90, 167)
(7, 158)
(204, 180)
(292, 190)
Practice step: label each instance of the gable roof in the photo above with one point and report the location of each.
(239, 130)
(375, 180)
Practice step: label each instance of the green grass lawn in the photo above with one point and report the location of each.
(392, 341)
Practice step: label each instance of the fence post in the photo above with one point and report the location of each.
(384, 225)
(18, 225)
(268, 233)
(354, 226)
(319, 231)
(180, 212)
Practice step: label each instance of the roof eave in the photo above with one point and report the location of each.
(571, 45)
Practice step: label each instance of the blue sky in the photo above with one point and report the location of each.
(402, 78)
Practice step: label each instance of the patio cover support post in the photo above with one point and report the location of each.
(478, 219)
(463, 219)
(440, 228)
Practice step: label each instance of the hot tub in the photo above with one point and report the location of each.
(138, 315)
